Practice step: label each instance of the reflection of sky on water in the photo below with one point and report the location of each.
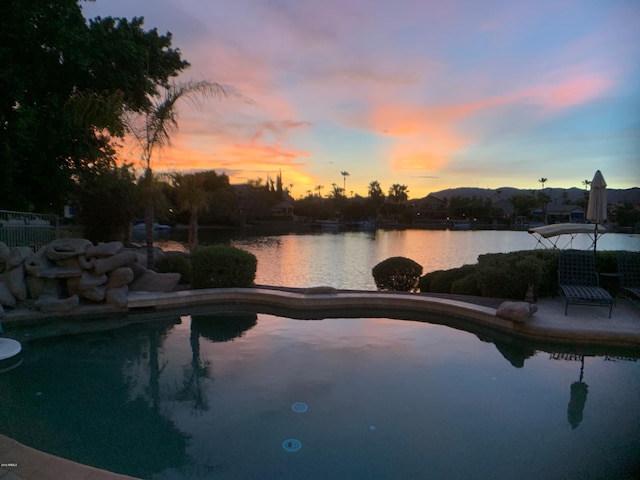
(418, 385)
(345, 260)
(440, 400)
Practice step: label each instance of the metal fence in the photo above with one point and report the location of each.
(23, 229)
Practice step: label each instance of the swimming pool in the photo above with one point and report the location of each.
(239, 395)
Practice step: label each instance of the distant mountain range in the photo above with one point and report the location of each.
(629, 195)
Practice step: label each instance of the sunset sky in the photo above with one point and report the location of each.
(431, 94)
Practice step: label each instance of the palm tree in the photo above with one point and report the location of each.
(377, 196)
(192, 197)
(542, 180)
(337, 192)
(398, 193)
(375, 191)
(544, 199)
(152, 129)
(319, 189)
(345, 174)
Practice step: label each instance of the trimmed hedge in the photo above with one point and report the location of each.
(508, 275)
(467, 285)
(398, 274)
(499, 275)
(440, 281)
(221, 266)
(176, 263)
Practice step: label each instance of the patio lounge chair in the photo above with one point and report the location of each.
(629, 268)
(578, 280)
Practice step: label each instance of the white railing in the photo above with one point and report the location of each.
(23, 229)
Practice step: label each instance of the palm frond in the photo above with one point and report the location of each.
(154, 127)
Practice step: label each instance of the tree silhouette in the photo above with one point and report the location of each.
(152, 129)
(543, 180)
(398, 193)
(337, 191)
(344, 174)
(544, 198)
(191, 196)
(375, 191)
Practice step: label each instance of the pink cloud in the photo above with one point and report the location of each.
(428, 137)
(574, 89)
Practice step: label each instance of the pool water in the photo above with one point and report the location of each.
(254, 395)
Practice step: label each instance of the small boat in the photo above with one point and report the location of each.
(328, 225)
(366, 225)
(157, 227)
(460, 225)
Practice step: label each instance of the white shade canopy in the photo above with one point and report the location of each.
(597, 208)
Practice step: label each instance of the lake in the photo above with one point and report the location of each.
(344, 260)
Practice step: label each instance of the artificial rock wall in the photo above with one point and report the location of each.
(72, 271)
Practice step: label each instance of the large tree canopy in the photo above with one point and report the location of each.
(65, 84)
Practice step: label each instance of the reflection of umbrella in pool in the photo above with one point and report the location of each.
(516, 354)
(223, 327)
(597, 208)
(577, 400)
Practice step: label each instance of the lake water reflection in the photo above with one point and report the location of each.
(344, 260)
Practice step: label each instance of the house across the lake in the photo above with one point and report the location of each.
(431, 208)
(562, 214)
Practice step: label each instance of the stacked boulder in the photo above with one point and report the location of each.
(68, 272)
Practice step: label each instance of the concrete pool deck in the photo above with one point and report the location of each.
(583, 326)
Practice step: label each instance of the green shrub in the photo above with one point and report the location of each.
(467, 285)
(398, 274)
(607, 261)
(424, 282)
(549, 284)
(441, 281)
(220, 266)
(176, 263)
(508, 275)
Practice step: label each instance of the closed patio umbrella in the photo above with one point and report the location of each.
(597, 207)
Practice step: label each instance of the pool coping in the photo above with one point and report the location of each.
(548, 324)
(584, 325)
